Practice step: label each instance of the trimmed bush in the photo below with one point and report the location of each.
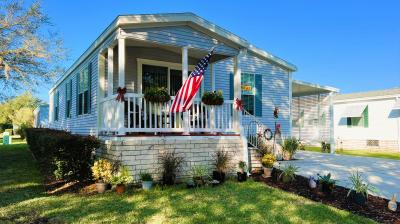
(67, 156)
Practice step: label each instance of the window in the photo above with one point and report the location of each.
(83, 85)
(154, 76)
(359, 121)
(68, 97)
(322, 121)
(175, 81)
(56, 105)
(248, 92)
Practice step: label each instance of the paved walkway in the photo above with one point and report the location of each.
(384, 174)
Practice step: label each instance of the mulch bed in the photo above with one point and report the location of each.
(375, 208)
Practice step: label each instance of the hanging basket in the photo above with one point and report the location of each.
(157, 95)
(214, 98)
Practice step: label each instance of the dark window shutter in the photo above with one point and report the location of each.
(90, 88)
(258, 100)
(231, 90)
(66, 100)
(78, 102)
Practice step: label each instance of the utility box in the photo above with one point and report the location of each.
(7, 139)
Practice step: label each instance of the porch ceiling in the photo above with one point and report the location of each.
(193, 53)
(300, 88)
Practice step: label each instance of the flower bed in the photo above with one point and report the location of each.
(376, 207)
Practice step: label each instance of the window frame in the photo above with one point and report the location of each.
(56, 105)
(83, 96)
(169, 65)
(362, 122)
(254, 91)
(68, 99)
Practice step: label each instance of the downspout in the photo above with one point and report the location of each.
(331, 123)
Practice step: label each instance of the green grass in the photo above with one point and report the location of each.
(22, 197)
(366, 153)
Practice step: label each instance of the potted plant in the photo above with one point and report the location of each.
(147, 180)
(242, 175)
(288, 173)
(170, 165)
(121, 178)
(102, 172)
(221, 163)
(214, 98)
(267, 162)
(325, 147)
(157, 95)
(327, 183)
(359, 188)
(289, 147)
(199, 175)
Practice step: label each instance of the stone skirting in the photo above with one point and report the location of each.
(143, 153)
(361, 144)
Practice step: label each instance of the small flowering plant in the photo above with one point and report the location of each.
(102, 170)
(268, 160)
(122, 176)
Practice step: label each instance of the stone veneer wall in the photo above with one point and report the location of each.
(142, 153)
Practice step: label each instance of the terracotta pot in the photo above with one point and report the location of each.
(120, 188)
(101, 187)
(267, 172)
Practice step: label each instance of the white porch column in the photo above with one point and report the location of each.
(212, 67)
(331, 124)
(237, 92)
(110, 66)
(121, 83)
(185, 70)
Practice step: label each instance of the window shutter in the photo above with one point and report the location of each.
(66, 99)
(77, 94)
(90, 88)
(231, 91)
(365, 115)
(258, 99)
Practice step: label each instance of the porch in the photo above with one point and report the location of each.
(138, 64)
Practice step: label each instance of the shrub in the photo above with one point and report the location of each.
(263, 148)
(325, 147)
(102, 170)
(67, 156)
(157, 95)
(122, 176)
(170, 165)
(200, 175)
(242, 165)
(288, 173)
(268, 160)
(221, 161)
(290, 146)
(359, 186)
(145, 176)
(213, 98)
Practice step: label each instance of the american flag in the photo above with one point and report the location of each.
(184, 97)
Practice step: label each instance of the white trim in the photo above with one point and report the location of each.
(169, 65)
(360, 99)
(165, 20)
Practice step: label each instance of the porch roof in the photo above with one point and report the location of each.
(166, 19)
(301, 88)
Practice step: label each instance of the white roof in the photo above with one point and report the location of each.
(397, 104)
(354, 111)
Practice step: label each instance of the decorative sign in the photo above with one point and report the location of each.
(247, 84)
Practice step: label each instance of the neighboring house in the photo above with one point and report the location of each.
(141, 51)
(368, 120)
(41, 116)
(312, 113)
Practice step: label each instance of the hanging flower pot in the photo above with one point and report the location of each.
(157, 95)
(214, 98)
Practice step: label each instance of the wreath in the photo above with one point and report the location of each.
(268, 134)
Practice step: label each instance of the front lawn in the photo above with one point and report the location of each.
(367, 153)
(22, 200)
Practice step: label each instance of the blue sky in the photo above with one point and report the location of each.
(351, 45)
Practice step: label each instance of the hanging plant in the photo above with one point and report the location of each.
(157, 95)
(213, 98)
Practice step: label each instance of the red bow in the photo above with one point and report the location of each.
(237, 105)
(121, 92)
(278, 128)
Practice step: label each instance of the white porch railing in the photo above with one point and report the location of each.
(143, 116)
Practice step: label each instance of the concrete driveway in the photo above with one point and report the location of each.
(384, 174)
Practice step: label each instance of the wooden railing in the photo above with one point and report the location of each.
(143, 116)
